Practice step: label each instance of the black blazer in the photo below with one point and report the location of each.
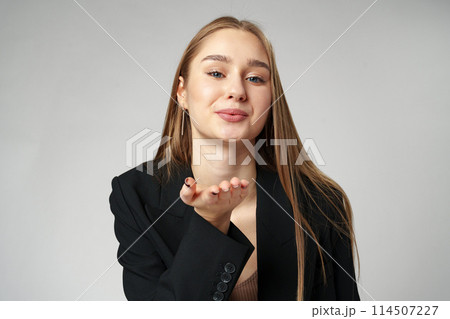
(183, 257)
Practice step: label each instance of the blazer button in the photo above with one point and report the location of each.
(222, 287)
(218, 296)
(230, 268)
(225, 277)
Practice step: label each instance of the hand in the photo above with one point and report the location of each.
(215, 203)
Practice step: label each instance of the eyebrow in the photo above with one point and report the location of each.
(226, 59)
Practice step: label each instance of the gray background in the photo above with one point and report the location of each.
(376, 105)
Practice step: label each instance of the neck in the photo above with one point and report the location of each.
(211, 164)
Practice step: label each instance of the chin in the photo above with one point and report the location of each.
(235, 139)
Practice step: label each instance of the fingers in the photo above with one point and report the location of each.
(212, 194)
(233, 190)
(188, 190)
(225, 190)
(244, 188)
(236, 188)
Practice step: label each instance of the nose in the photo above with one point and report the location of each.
(236, 89)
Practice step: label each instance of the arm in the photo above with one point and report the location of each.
(203, 256)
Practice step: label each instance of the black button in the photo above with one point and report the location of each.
(230, 268)
(222, 287)
(225, 277)
(218, 296)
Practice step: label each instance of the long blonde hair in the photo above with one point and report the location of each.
(279, 125)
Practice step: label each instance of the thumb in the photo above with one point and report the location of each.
(188, 190)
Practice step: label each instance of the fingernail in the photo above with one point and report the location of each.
(186, 183)
(214, 193)
(235, 186)
(226, 190)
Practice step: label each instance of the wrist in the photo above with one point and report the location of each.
(223, 227)
(222, 223)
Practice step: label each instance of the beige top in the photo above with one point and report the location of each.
(246, 290)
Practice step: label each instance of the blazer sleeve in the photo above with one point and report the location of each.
(206, 265)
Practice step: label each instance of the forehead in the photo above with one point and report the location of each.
(236, 43)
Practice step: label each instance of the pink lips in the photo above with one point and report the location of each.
(232, 115)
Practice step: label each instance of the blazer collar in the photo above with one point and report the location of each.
(273, 205)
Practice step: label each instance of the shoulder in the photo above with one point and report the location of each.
(140, 174)
(138, 183)
(324, 208)
(148, 184)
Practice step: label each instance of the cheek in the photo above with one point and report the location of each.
(263, 101)
(203, 93)
(261, 105)
(259, 124)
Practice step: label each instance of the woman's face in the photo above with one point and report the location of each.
(240, 82)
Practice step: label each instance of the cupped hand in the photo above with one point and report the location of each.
(216, 202)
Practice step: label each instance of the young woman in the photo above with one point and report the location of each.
(257, 219)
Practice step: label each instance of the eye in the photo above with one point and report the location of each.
(258, 79)
(214, 73)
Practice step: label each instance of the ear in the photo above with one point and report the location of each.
(181, 92)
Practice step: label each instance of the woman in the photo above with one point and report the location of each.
(257, 220)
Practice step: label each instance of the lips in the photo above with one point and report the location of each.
(232, 112)
(232, 115)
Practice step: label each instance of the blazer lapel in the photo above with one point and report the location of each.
(276, 252)
(270, 196)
